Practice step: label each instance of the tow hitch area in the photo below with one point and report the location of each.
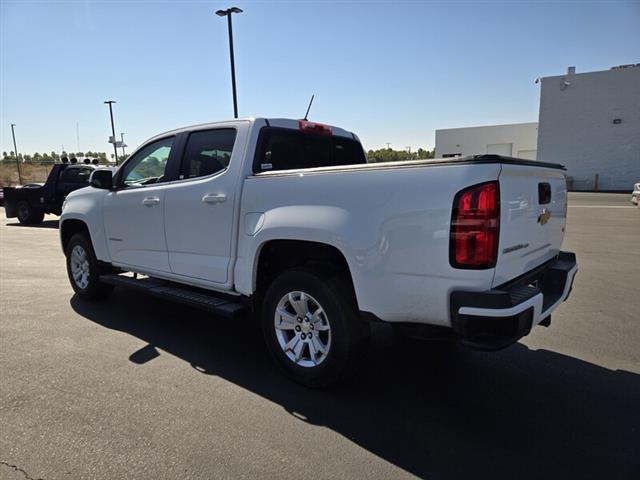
(495, 319)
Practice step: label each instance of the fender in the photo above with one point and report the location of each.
(313, 223)
(87, 207)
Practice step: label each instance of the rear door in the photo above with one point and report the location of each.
(199, 209)
(533, 207)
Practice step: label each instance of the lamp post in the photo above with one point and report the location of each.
(15, 150)
(227, 13)
(113, 128)
(122, 141)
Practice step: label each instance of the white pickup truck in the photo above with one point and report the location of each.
(287, 219)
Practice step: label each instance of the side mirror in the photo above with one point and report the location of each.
(101, 178)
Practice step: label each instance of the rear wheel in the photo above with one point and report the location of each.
(83, 269)
(312, 327)
(27, 215)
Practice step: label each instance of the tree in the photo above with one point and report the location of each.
(390, 155)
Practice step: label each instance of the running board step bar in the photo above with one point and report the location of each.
(219, 304)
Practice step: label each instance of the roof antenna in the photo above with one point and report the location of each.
(309, 107)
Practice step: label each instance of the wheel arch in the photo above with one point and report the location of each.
(274, 256)
(69, 227)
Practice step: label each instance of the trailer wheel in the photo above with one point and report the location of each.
(27, 215)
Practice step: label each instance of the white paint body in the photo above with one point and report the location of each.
(391, 222)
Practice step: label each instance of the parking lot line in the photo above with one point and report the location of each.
(601, 206)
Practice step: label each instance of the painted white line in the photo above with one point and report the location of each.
(600, 206)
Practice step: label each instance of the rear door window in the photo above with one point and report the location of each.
(207, 152)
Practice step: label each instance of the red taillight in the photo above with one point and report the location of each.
(312, 127)
(474, 227)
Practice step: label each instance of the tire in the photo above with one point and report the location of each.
(27, 215)
(320, 345)
(84, 270)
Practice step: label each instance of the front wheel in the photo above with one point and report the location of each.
(312, 327)
(84, 270)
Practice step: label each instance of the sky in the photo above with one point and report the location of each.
(390, 71)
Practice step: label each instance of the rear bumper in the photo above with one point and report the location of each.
(497, 318)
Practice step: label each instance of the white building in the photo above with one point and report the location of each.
(590, 122)
(512, 140)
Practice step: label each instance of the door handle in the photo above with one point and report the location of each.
(214, 198)
(151, 201)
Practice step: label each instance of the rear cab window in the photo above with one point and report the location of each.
(288, 149)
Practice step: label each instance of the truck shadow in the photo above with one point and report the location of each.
(519, 413)
(44, 224)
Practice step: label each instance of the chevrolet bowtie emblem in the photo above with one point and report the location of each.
(544, 216)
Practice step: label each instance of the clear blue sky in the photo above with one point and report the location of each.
(391, 71)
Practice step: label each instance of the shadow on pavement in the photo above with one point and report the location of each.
(519, 413)
(44, 224)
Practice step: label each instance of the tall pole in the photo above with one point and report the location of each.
(113, 129)
(15, 150)
(122, 140)
(227, 13)
(233, 69)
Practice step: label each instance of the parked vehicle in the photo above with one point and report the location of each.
(32, 201)
(285, 218)
(635, 195)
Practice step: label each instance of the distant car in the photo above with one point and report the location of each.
(635, 195)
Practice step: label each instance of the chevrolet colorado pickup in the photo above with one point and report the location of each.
(286, 218)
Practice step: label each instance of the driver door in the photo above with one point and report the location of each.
(134, 211)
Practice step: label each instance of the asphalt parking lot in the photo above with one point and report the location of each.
(139, 388)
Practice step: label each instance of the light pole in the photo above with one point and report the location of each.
(227, 13)
(113, 128)
(122, 141)
(15, 150)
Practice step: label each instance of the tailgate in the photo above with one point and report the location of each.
(533, 210)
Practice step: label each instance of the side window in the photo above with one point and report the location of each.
(207, 152)
(148, 165)
(70, 175)
(83, 175)
(76, 175)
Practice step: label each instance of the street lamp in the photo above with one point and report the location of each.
(15, 150)
(227, 13)
(113, 128)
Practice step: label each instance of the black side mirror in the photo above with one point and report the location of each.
(101, 178)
